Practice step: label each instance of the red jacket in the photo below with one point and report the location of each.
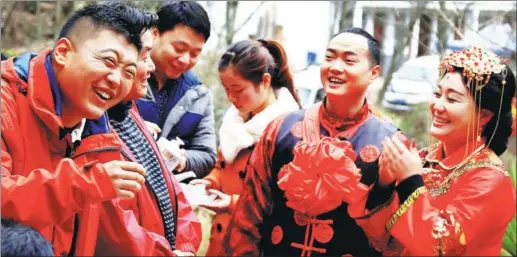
(40, 187)
(135, 227)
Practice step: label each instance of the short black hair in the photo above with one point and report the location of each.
(142, 17)
(4, 56)
(188, 13)
(373, 44)
(21, 240)
(119, 17)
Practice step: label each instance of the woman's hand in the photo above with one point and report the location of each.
(400, 161)
(220, 204)
(206, 183)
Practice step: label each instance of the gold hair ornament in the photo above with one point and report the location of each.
(478, 65)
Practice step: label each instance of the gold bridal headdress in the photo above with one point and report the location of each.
(477, 63)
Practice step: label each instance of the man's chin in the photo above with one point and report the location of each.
(139, 94)
(94, 114)
(335, 94)
(174, 74)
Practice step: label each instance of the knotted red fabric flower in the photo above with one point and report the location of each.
(321, 176)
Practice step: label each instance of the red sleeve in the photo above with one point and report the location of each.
(188, 235)
(48, 198)
(215, 177)
(483, 199)
(45, 197)
(120, 233)
(255, 199)
(373, 221)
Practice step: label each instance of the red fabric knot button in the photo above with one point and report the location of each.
(369, 153)
(277, 234)
(301, 219)
(323, 233)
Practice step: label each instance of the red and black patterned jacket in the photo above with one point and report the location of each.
(262, 222)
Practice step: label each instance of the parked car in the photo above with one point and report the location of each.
(413, 83)
(308, 84)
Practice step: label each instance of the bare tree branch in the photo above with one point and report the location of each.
(404, 41)
(342, 18)
(249, 17)
(468, 26)
(449, 22)
(494, 18)
(58, 15)
(231, 13)
(442, 31)
(5, 22)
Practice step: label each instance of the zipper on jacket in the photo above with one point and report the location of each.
(71, 252)
(111, 148)
(21, 89)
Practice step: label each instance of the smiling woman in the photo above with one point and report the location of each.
(463, 184)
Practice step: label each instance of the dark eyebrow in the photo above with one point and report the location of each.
(347, 52)
(118, 55)
(452, 90)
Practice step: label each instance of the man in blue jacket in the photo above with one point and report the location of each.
(177, 102)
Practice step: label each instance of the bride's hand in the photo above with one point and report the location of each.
(401, 161)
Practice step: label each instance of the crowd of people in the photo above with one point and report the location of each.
(83, 174)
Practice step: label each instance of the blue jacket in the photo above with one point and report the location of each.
(189, 115)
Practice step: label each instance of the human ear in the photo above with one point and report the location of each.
(62, 51)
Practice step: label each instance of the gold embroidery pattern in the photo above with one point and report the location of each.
(444, 187)
(481, 158)
(403, 208)
(449, 235)
(378, 208)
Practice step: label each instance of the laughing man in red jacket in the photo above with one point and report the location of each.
(45, 100)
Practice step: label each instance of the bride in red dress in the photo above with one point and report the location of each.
(454, 197)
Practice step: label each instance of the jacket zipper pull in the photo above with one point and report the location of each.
(21, 89)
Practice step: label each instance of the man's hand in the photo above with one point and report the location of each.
(153, 128)
(181, 155)
(183, 161)
(127, 177)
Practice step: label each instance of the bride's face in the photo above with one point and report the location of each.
(452, 109)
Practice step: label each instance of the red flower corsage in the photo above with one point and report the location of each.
(321, 176)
